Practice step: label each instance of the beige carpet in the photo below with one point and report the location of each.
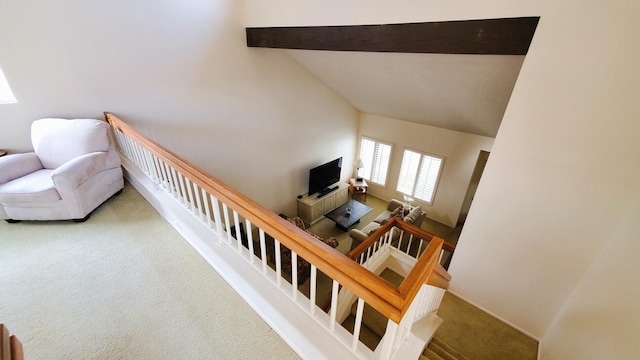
(123, 285)
(473, 332)
(480, 336)
(326, 228)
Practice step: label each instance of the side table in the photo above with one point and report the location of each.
(358, 187)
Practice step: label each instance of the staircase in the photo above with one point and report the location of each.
(439, 350)
(374, 327)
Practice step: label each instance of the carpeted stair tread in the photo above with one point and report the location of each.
(429, 354)
(368, 337)
(444, 351)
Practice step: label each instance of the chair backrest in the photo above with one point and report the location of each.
(57, 141)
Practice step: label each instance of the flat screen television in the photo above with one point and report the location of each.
(325, 175)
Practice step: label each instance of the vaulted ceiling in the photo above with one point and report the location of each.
(467, 93)
(453, 75)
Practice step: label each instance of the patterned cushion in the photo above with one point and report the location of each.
(297, 221)
(413, 215)
(397, 212)
(332, 241)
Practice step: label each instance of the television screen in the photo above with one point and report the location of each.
(325, 175)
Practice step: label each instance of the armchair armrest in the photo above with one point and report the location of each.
(18, 165)
(75, 172)
(357, 237)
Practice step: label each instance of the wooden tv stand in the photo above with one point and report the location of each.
(311, 209)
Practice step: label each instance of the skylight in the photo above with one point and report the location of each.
(6, 95)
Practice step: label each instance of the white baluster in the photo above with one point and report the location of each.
(263, 252)
(174, 183)
(312, 290)
(167, 181)
(217, 217)
(357, 325)
(420, 248)
(334, 305)
(250, 242)
(409, 244)
(191, 202)
(294, 275)
(278, 264)
(207, 209)
(236, 222)
(225, 210)
(183, 191)
(156, 169)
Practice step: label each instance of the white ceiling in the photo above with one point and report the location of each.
(467, 93)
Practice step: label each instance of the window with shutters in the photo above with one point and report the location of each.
(6, 95)
(375, 156)
(419, 175)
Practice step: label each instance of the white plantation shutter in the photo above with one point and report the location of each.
(419, 175)
(375, 157)
(408, 172)
(367, 149)
(427, 179)
(381, 164)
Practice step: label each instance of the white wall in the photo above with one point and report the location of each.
(563, 165)
(460, 151)
(181, 73)
(600, 319)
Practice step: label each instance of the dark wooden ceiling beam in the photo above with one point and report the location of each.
(509, 36)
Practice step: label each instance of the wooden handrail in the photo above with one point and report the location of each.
(408, 228)
(389, 300)
(439, 277)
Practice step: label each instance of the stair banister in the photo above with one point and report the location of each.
(391, 301)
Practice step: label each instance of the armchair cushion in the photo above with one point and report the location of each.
(57, 141)
(36, 187)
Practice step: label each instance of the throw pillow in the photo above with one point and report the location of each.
(413, 215)
(397, 212)
(297, 221)
(332, 241)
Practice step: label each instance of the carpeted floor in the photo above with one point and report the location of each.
(473, 332)
(122, 285)
(480, 336)
(327, 228)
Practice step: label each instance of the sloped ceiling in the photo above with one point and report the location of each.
(467, 93)
(457, 75)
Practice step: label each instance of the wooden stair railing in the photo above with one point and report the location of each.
(389, 300)
(407, 229)
(10, 346)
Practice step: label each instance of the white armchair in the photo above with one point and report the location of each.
(72, 171)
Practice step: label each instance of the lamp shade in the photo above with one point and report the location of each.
(359, 164)
(6, 95)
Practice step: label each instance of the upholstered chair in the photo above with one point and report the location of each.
(72, 170)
